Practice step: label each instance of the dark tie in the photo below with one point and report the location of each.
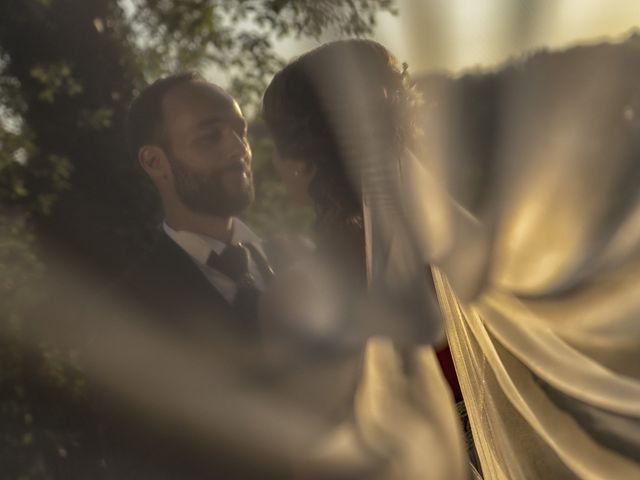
(234, 263)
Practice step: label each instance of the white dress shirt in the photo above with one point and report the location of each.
(199, 247)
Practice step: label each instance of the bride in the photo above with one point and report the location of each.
(336, 114)
(539, 295)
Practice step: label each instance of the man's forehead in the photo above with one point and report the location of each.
(199, 98)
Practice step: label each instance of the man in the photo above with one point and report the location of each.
(190, 137)
(196, 287)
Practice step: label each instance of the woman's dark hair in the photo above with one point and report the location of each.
(330, 107)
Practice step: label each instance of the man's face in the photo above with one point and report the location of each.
(207, 147)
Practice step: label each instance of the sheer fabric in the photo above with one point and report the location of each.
(540, 291)
(538, 285)
(551, 380)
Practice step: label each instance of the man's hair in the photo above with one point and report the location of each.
(144, 123)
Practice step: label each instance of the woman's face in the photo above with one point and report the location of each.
(296, 176)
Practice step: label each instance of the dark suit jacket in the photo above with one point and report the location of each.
(170, 291)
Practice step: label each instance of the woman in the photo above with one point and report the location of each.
(541, 297)
(341, 118)
(327, 111)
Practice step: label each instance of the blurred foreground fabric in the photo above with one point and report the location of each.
(540, 285)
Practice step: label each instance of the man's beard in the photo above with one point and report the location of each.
(208, 194)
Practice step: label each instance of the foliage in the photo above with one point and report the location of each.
(238, 36)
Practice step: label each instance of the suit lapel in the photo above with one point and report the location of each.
(182, 277)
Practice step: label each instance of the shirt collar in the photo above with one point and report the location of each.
(200, 246)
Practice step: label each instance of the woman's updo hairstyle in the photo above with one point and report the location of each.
(341, 108)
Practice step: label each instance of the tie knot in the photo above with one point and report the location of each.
(233, 262)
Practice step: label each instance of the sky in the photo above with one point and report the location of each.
(457, 35)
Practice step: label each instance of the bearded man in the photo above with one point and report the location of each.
(207, 266)
(181, 327)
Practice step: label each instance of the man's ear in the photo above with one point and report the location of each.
(154, 161)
